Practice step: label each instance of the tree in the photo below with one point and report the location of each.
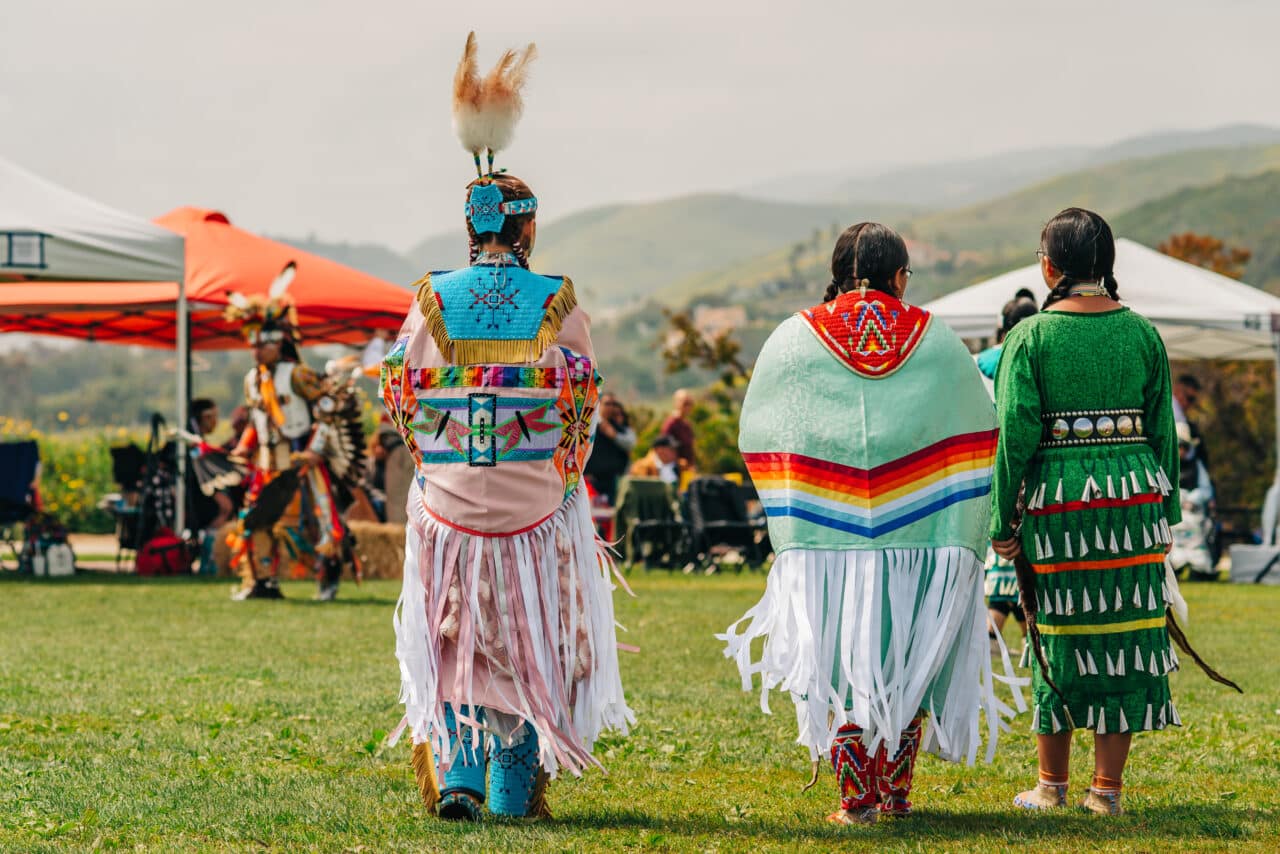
(1208, 252)
(1236, 413)
(686, 347)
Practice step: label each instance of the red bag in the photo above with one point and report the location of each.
(164, 554)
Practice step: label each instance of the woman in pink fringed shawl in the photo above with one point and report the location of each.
(505, 628)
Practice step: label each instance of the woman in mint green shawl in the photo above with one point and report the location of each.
(870, 438)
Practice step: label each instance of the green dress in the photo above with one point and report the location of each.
(1086, 420)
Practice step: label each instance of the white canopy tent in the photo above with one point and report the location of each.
(1200, 314)
(49, 232)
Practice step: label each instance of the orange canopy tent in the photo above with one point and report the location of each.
(336, 304)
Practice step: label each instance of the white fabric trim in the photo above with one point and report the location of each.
(938, 646)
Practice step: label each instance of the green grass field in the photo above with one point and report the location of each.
(158, 715)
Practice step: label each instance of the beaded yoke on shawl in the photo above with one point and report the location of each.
(870, 438)
(507, 600)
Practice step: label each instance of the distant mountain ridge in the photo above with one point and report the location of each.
(372, 258)
(964, 182)
(619, 253)
(982, 208)
(955, 247)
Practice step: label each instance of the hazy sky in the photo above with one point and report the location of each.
(333, 117)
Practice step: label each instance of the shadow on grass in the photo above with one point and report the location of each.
(1188, 821)
(293, 592)
(340, 602)
(102, 577)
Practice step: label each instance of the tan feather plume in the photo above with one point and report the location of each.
(486, 110)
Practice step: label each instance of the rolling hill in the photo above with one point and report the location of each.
(956, 247)
(621, 253)
(371, 258)
(1241, 211)
(967, 182)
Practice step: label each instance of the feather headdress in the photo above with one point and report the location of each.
(486, 109)
(274, 312)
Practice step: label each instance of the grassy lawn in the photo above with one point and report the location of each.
(157, 714)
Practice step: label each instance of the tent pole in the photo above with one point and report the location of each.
(183, 360)
(1275, 343)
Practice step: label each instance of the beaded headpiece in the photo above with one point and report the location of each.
(485, 113)
(270, 318)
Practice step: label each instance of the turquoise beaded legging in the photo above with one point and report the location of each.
(512, 771)
(466, 773)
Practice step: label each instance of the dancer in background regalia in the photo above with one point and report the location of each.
(303, 448)
(505, 630)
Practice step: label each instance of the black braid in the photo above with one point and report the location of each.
(1060, 292)
(473, 250)
(518, 251)
(1112, 286)
(833, 291)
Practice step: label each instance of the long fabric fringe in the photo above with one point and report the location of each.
(873, 637)
(536, 608)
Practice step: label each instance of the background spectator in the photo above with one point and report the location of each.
(677, 426)
(611, 456)
(1186, 395)
(662, 461)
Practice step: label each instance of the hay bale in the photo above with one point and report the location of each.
(381, 548)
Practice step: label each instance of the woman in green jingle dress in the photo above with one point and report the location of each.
(1086, 421)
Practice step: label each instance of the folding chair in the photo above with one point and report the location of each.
(19, 465)
(648, 524)
(721, 521)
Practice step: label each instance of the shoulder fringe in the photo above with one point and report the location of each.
(481, 351)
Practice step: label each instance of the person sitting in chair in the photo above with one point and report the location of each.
(662, 461)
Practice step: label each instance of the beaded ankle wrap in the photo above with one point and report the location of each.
(894, 773)
(1103, 796)
(855, 769)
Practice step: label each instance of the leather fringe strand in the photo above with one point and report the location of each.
(424, 771)
(1180, 638)
(538, 799)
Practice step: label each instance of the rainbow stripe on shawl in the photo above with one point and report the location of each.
(872, 502)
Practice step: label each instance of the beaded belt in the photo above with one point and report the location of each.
(1092, 427)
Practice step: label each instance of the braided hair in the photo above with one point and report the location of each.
(1080, 245)
(512, 189)
(867, 254)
